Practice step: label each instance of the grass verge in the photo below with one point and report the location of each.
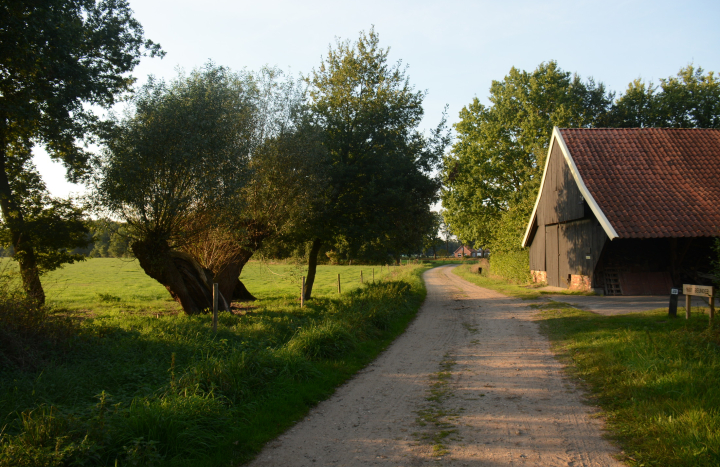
(524, 292)
(160, 389)
(657, 380)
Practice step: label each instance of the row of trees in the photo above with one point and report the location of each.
(492, 174)
(205, 170)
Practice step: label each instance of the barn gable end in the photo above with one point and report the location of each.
(565, 237)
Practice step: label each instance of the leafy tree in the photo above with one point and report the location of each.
(496, 163)
(109, 239)
(378, 165)
(432, 239)
(689, 100)
(57, 56)
(173, 169)
(54, 226)
(203, 171)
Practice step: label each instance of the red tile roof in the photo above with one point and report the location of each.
(651, 182)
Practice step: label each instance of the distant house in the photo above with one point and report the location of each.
(626, 211)
(465, 251)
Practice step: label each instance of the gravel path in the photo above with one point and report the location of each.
(470, 383)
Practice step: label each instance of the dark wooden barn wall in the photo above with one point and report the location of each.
(645, 266)
(537, 250)
(578, 240)
(551, 255)
(568, 247)
(560, 200)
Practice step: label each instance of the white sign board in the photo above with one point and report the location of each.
(702, 290)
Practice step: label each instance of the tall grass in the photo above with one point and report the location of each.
(162, 389)
(656, 378)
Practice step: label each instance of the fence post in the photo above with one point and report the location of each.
(361, 278)
(338, 283)
(216, 293)
(373, 275)
(688, 297)
(712, 304)
(302, 293)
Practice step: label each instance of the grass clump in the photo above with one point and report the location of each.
(436, 420)
(656, 378)
(328, 339)
(151, 386)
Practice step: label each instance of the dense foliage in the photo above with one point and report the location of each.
(378, 165)
(204, 170)
(57, 58)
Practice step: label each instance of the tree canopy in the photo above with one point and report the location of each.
(57, 57)
(379, 185)
(689, 100)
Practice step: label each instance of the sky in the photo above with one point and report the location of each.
(453, 49)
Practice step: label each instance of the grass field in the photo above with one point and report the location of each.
(119, 284)
(141, 384)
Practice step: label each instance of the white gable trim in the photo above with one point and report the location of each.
(609, 230)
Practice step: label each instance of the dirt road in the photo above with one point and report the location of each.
(470, 383)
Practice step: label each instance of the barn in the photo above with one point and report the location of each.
(626, 211)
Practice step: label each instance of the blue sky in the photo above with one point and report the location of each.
(454, 49)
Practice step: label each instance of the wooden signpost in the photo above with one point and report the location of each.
(701, 291)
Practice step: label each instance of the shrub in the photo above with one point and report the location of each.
(328, 339)
(29, 332)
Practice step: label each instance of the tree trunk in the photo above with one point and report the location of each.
(312, 268)
(188, 283)
(229, 278)
(13, 216)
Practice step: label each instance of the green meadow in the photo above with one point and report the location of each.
(137, 382)
(112, 283)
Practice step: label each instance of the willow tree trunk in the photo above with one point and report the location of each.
(312, 268)
(229, 278)
(187, 282)
(15, 222)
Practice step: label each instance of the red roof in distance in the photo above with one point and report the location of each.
(651, 182)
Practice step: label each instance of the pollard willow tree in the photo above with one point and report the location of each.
(57, 56)
(173, 169)
(378, 165)
(203, 171)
